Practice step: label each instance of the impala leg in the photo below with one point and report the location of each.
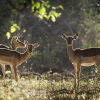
(98, 65)
(15, 73)
(78, 72)
(3, 70)
(75, 77)
(12, 70)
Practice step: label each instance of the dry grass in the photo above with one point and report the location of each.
(49, 87)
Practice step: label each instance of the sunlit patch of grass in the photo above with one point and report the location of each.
(48, 87)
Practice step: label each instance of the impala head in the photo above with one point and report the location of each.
(31, 46)
(16, 43)
(69, 39)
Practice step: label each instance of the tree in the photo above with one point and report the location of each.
(40, 8)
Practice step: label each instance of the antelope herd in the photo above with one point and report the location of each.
(79, 57)
(9, 55)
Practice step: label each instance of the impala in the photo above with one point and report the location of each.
(15, 43)
(81, 57)
(15, 58)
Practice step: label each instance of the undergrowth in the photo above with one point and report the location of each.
(49, 86)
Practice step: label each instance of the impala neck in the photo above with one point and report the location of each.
(24, 56)
(13, 47)
(70, 51)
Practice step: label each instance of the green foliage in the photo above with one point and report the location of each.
(90, 28)
(35, 54)
(60, 6)
(41, 10)
(53, 14)
(8, 35)
(24, 30)
(13, 29)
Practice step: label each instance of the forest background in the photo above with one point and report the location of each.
(28, 20)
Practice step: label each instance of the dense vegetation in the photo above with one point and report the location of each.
(80, 17)
(43, 21)
(50, 87)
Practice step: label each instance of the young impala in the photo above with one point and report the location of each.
(15, 43)
(81, 57)
(14, 58)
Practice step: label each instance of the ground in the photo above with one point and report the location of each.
(55, 86)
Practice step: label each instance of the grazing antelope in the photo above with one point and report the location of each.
(15, 43)
(15, 58)
(81, 57)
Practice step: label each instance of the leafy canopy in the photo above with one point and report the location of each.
(40, 8)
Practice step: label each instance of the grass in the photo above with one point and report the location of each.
(50, 87)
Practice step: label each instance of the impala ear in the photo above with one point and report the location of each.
(16, 37)
(26, 42)
(75, 36)
(35, 45)
(64, 36)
